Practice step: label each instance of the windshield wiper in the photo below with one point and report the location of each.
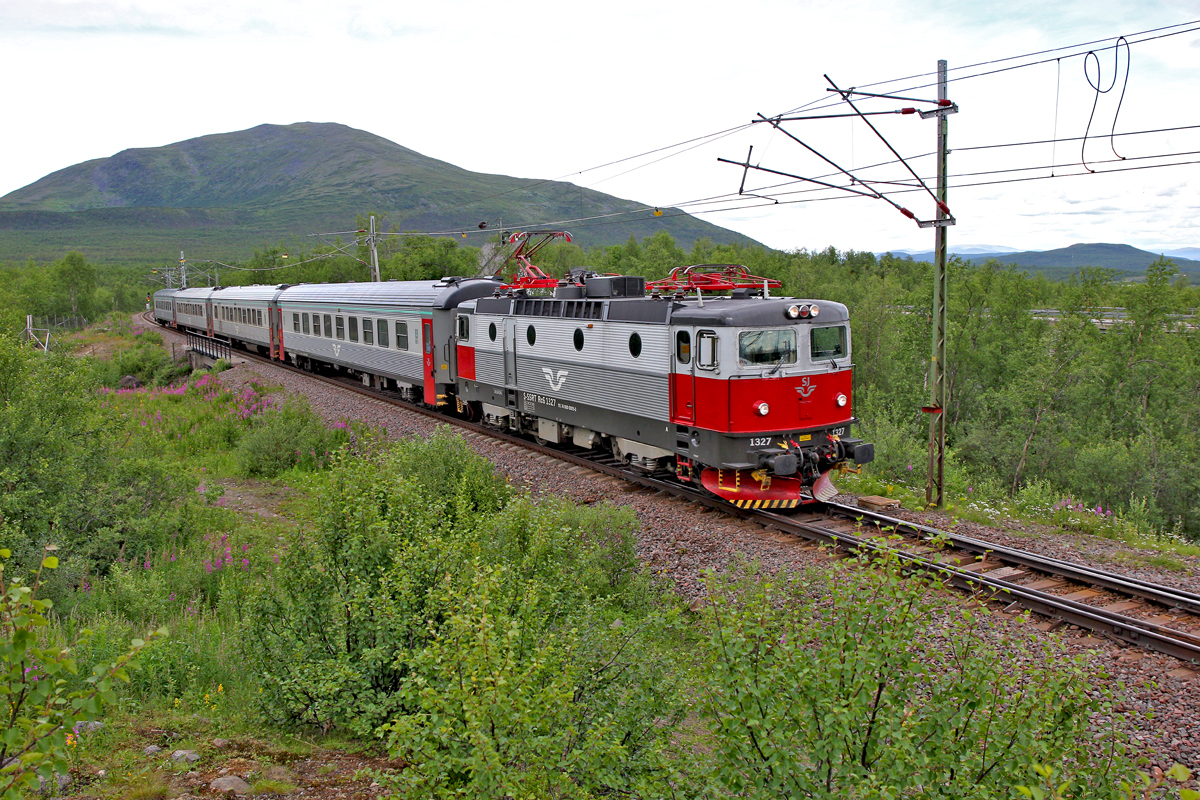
(778, 364)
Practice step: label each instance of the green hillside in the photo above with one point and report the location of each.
(222, 195)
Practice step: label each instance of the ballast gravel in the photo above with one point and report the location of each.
(680, 542)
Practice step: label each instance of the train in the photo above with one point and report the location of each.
(704, 375)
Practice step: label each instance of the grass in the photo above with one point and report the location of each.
(992, 508)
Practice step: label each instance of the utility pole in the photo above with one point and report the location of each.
(372, 242)
(935, 483)
(182, 271)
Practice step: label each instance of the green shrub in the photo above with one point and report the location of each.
(423, 568)
(290, 436)
(147, 361)
(45, 698)
(868, 685)
(506, 701)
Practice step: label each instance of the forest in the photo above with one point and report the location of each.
(1048, 410)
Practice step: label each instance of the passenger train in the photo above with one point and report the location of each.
(743, 394)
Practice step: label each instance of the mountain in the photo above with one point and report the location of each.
(1060, 263)
(958, 250)
(222, 195)
(1192, 253)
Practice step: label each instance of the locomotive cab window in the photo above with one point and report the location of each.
(368, 332)
(464, 328)
(683, 347)
(706, 357)
(767, 348)
(828, 343)
(401, 335)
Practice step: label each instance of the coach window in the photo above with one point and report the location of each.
(706, 342)
(683, 347)
(635, 344)
(381, 332)
(304, 323)
(258, 314)
(492, 331)
(531, 335)
(578, 338)
(368, 332)
(341, 327)
(316, 324)
(296, 322)
(353, 329)
(401, 335)
(464, 328)
(328, 328)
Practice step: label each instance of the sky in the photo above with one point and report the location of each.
(640, 100)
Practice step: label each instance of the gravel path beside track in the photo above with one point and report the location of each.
(681, 542)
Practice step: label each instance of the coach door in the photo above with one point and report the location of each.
(428, 354)
(683, 381)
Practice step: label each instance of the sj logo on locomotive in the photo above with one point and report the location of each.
(806, 387)
(555, 380)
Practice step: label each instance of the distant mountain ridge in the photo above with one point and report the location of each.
(241, 190)
(1065, 260)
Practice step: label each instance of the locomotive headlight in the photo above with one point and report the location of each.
(841, 401)
(762, 409)
(814, 309)
(793, 312)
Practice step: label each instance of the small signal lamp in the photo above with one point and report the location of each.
(762, 409)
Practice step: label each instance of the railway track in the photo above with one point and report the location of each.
(1062, 592)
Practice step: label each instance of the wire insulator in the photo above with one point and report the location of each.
(945, 102)
(945, 209)
(907, 213)
(908, 111)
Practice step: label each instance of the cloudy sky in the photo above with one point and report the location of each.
(559, 90)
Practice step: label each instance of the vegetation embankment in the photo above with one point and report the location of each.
(406, 600)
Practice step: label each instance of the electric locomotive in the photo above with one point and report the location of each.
(746, 395)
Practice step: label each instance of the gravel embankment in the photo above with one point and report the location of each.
(682, 542)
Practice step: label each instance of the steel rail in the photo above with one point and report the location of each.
(1179, 644)
(1165, 595)
(1142, 633)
